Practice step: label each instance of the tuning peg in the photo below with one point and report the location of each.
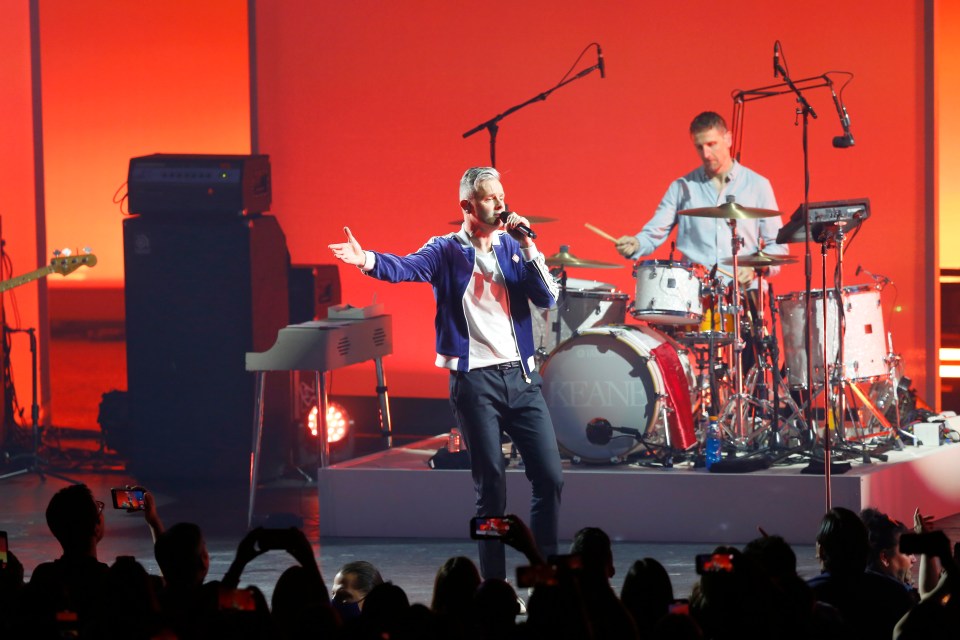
(67, 252)
(87, 250)
(56, 253)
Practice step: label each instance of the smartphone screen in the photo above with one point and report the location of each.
(714, 562)
(128, 499)
(236, 600)
(3, 548)
(488, 528)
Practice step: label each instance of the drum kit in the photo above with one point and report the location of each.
(643, 393)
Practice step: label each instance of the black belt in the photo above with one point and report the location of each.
(503, 366)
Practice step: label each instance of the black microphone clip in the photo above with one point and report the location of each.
(600, 63)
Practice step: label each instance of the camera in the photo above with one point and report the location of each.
(482, 528)
(130, 499)
(714, 563)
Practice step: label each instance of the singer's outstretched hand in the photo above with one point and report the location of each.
(349, 251)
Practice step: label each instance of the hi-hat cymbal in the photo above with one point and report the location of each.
(566, 259)
(532, 219)
(761, 259)
(730, 210)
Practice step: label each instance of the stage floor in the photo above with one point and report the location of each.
(395, 493)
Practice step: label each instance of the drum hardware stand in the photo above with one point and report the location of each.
(36, 463)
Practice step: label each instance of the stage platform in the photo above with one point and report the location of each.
(394, 493)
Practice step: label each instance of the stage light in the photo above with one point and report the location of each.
(338, 422)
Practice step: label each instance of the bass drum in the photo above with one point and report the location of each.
(626, 375)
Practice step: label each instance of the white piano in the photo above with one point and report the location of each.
(320, 346)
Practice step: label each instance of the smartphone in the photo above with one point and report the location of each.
(273, 539)
(931, 543)
(236, 600)
(489, 528)
(714, 563)
(538, 575)
(3, 549)
(128, 499)
(681, 605)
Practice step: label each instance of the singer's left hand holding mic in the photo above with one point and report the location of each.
(511, 222)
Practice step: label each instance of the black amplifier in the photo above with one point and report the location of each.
(192, 184)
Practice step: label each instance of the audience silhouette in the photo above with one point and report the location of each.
(863, 591)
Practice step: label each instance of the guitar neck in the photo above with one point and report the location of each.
(25, 278)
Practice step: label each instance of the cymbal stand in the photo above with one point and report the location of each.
(558, 324)
(736, 243)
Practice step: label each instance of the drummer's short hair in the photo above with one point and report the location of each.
(708, 120)
(473, 177)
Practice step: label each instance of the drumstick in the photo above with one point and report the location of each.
(599, 232)
(724, 272)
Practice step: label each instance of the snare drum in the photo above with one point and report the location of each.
(864, 341)
(587, 303)
(667, 292)
(623, 374)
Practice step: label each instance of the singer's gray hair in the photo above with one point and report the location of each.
(473, 177)
(708, 120)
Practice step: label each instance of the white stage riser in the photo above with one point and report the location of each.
(641, 504)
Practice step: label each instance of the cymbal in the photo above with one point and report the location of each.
(761, 259)
(730, 210)
(532, 219)
(566, 259)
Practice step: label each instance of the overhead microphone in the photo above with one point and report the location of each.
(846, 140)
(600, 63)
(776, 59)
(522, 228)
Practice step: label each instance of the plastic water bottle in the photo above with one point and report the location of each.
(711, 448)
(453, 442)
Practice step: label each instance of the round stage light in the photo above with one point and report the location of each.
(338, 422)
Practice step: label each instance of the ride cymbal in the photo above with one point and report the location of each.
(566, 259)
(730, 210)
(761, 259)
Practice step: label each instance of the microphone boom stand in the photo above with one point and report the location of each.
(492, 125)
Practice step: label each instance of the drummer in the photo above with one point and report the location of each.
(702, 240)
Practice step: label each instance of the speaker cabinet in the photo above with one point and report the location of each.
(200, 294)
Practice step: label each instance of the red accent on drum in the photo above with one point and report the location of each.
(680, 419)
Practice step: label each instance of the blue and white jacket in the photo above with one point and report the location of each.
(447, 263)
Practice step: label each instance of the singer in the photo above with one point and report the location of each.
(707, 240)
(484, 278)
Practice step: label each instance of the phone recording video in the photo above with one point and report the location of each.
(482, 528)
(269, 539)
(538, 575)
(714, 563)
(236, 600)
(3, 549)
(129, 499)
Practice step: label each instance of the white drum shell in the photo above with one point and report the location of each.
(667, 293)
(864, 340)
(586, 304)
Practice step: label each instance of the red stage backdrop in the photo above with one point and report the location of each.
(362, 106)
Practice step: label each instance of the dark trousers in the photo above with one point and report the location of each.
(485, 403)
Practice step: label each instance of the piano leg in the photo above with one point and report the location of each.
(323, 447)
(255, 447)
(385, 427)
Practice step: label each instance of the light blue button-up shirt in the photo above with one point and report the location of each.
(706, 241)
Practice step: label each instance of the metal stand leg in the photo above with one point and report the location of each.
(255, 446)
(386, 428)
